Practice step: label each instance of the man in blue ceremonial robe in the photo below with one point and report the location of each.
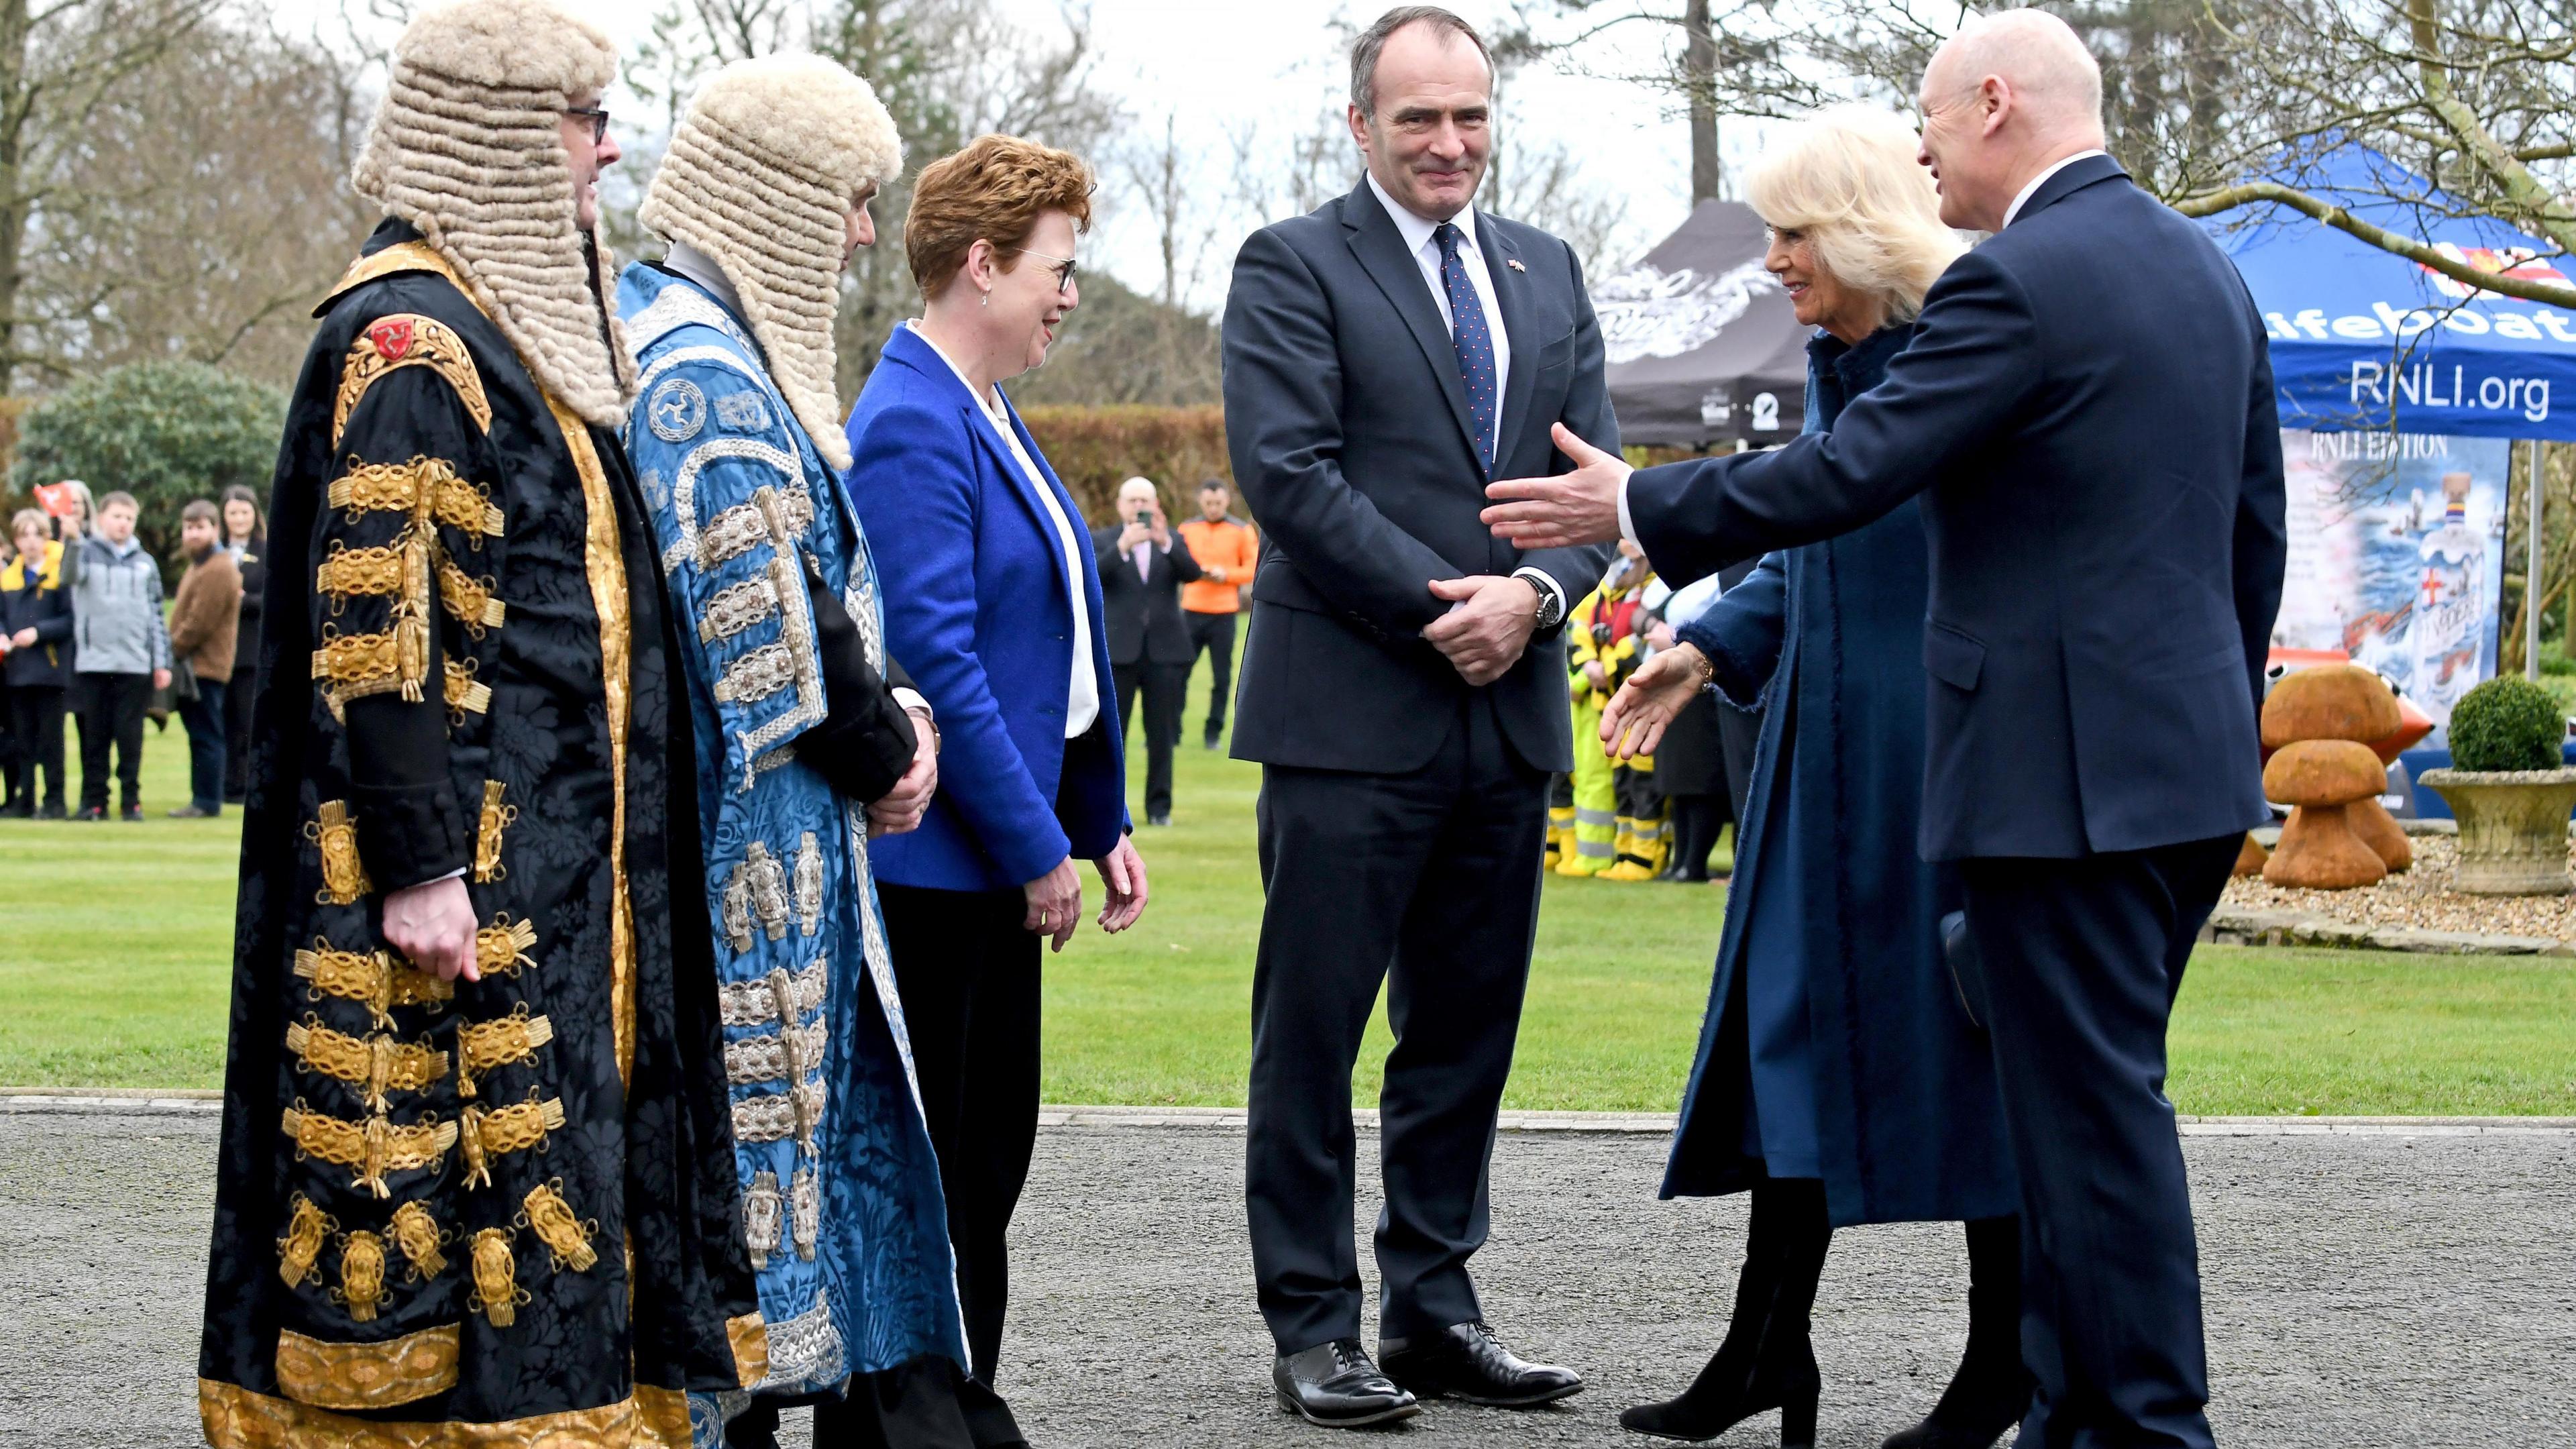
(808, 742)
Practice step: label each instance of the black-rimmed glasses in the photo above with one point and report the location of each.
(1063, 269)
(598, 118)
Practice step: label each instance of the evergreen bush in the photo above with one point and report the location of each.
(2507, 723)
(165, 432)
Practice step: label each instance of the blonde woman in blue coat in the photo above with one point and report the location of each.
(808, 743)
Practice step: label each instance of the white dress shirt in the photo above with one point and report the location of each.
(1082, 693)
(2041, 179)
(1421, 238)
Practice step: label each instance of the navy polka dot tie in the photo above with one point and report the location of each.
(1474, 344)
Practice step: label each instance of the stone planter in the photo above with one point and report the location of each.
(2513, 828)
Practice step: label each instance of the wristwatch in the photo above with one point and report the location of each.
(1551, 601)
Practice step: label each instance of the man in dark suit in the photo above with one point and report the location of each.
(2088, 414)
(1404, 688)
(1142, 568)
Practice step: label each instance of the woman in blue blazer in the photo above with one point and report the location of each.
(993, 604)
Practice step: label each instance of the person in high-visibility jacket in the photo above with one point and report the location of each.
(1644, 842)
(1600, 653)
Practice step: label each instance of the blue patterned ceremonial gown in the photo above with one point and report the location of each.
(842, 1204)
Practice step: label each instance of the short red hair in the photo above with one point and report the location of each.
(995, 190)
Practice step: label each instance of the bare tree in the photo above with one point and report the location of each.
(2218, 105)
(206, 208)
(948, 70)
(60, 62)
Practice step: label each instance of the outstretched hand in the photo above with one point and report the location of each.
(1564, 510)
(1635, 720)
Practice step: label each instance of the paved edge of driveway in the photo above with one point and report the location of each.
(132, 1102)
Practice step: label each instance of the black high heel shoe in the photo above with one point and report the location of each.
(1767, 1360)
(1991, 1390)
(1712, 1405)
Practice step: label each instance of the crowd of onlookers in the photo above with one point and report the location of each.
(86, 630)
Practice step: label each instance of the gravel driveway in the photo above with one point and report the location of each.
(2372, 1289)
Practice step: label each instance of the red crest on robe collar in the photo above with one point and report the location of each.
(392, 338)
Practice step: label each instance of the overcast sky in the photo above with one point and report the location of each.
(1217, 67)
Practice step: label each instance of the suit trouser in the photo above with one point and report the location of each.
(109, 709)
(204, 717)
(36, 723)
(2079, 962)
(968, 978)
(1429, 882)
(1162, 685)
(1214, 633)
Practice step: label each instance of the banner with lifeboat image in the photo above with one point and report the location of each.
(2397, 556)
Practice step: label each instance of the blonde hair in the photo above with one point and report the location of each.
(1848, 179)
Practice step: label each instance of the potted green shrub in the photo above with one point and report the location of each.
(2509, 788)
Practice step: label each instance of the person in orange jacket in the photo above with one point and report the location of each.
(1228, 550)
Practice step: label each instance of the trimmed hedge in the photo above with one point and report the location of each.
(1095, 449)
(2507, 723)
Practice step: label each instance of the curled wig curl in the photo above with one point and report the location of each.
(1848, 179)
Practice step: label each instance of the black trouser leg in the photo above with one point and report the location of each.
(1432, 875)
(238, 695)
(111, 716)
(1164, 687)
(133, 695)
(2078, 963)
(1214, 633)
(38, 722)
(204, 717)
(1125, 678)
(968, 977)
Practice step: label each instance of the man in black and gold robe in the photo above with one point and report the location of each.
(477, 1176)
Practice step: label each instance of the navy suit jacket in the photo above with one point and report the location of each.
(2087, 412)
(977, 608)
(1347, 423)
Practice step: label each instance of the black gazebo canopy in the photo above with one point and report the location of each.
(1702, 347)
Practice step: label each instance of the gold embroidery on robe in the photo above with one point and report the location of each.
(306, 1228)
(367, 1375)
(369, 1149)
(464, 694)
(369, 978)
(470, 599)
(497, 1043)
(604, 560)
(378, 1064)
(362, 1275)
(427, 489)
(348, 573)
(407, 339)
(497, 1294)
(420, 1238)
(565, 1235)
(494, 818)
(502, 947)
(237, 1418)
(344, 876)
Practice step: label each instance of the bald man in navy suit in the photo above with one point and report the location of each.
(2087, 413)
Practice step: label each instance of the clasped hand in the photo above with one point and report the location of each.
(1486, 634)
(1055, 898)
(901, 808)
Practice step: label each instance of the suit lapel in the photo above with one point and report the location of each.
(1511, 295)
(1380, 249)
(914, 351)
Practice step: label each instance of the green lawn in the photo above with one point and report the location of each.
(114, 973)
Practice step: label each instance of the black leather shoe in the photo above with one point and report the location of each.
(1335, 1385)
(1465, 1361)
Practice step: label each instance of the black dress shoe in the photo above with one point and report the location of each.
(1335, 1385)
(1465, 1361)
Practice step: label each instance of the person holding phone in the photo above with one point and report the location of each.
(1142, 567)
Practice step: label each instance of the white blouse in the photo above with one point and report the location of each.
(1082, 693)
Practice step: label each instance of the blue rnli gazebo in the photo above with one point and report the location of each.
(2363, 339)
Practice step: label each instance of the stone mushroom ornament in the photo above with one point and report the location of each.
(2323, 724)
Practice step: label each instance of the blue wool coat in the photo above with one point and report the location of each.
(1827, 640)
(841, 1187)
